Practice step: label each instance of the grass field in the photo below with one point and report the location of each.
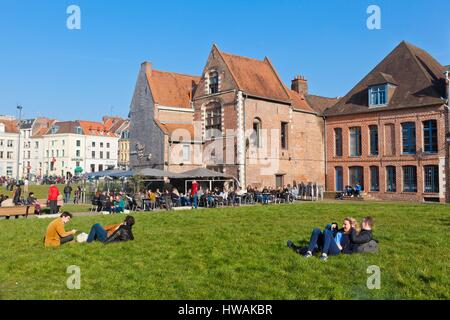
(233, 253)
(40, 191)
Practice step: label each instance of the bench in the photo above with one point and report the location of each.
(17, 211)
(21, 211)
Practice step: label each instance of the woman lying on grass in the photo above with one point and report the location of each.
(112, 233)
(332, 241)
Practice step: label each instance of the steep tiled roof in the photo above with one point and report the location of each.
(419, 78)
(40, 132)
(64, 127)
(299, 102)
(11, 126)
(320, 104)
(172, 89)
(256, 77)
(95, 129)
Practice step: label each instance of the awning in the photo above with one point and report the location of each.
(205, 173)
(102, 174)
(156, 173)
(78, 169)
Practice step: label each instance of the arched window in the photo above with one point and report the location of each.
(213, 82)
(213, 120)
(256, 134)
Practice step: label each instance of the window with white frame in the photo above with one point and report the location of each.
(378, 95)
(213, 120)
(213, 82)
(186, 152)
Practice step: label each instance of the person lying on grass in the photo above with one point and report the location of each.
(56, 235)
(330, 242)
(112, 233)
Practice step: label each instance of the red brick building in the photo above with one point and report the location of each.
(389, 132)
(238, 117)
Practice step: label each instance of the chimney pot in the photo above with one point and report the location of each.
(300, 85)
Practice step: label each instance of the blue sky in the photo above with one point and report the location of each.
(87, 73)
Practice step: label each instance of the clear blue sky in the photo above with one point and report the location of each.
(56, 72)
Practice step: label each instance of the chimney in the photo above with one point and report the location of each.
(300, 85)
(147, 67)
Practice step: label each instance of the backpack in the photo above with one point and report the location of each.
(368, 247)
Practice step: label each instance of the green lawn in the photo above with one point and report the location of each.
(233, 253)
(40, 191)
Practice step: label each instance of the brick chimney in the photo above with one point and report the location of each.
(147, 67)
(300, 85)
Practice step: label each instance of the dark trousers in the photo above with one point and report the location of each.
(53, 206)
(97, 233)
(323, 242)
(66, 239)
(168, 201)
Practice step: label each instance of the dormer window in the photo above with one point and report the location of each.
(378, 96)
(55, 129)
(79, 130)
(213, 82)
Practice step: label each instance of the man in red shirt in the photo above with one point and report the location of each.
(195, 193)
(53, 194)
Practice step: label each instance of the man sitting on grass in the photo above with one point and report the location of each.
(56, 235)
(363, 241)
(112, 233)
(330, 242)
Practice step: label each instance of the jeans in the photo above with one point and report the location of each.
(117, 209)
(97, 233)
(324, 242)
(66, 197)
(196, 201)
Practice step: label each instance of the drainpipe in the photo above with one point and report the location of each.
(325, 150)
(241, 138)
(447, 136)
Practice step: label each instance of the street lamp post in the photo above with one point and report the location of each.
(18, 147)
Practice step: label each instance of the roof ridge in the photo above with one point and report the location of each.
(267, 60)
(239, 56)
(229, 68)
(410, 50)
(177, 73)
(316, 95)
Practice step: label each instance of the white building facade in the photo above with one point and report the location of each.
(9, 142)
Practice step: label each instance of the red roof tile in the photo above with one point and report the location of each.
(11, 126)
(172, 89)
(256, 77)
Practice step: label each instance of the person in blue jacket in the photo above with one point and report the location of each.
(332, 241)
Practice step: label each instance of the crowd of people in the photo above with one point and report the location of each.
(169, 197)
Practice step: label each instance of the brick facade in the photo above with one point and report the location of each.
(384, 120)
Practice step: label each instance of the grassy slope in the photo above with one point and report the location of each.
(41, 192)
(237, 253)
